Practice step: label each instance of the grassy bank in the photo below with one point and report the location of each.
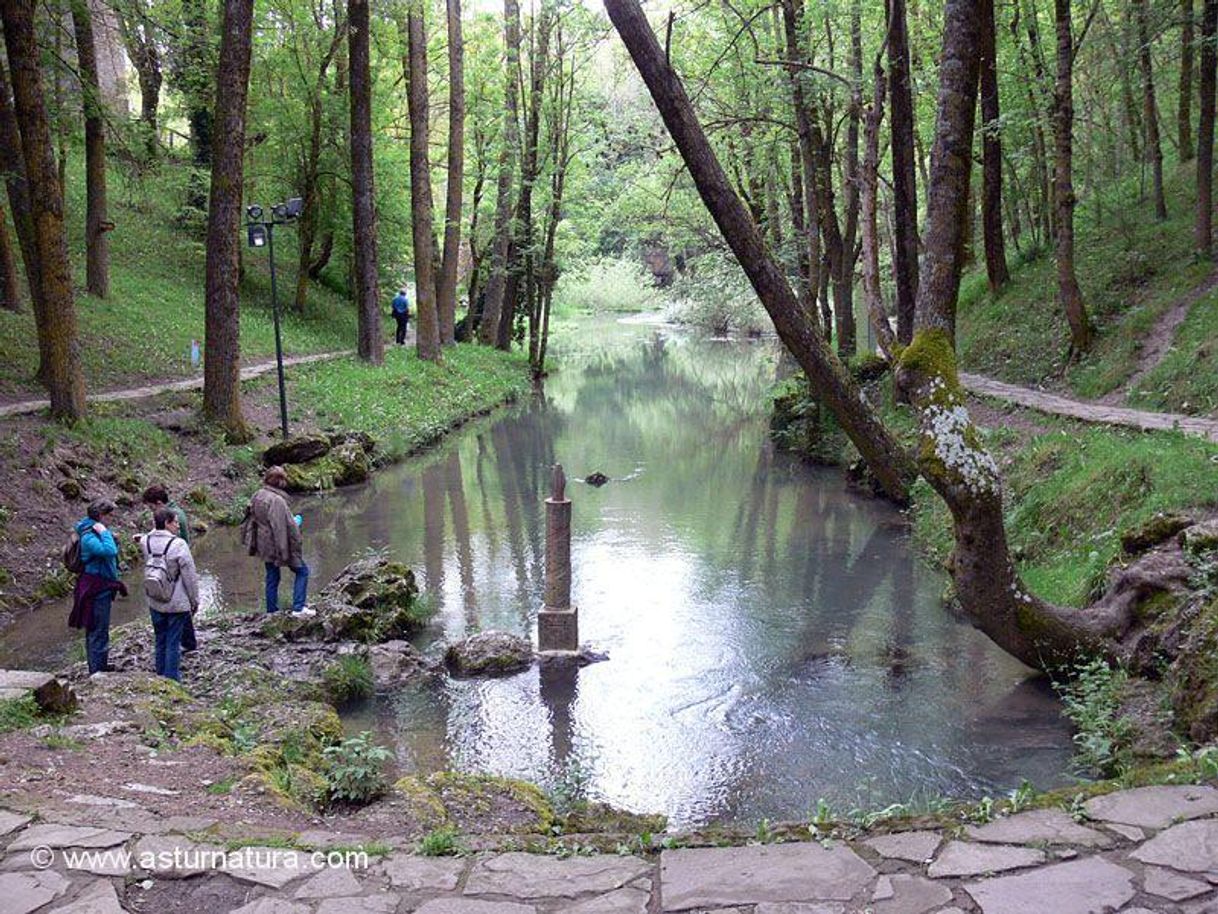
(144, 329)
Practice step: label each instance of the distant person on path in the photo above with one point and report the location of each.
(171, 587)
(272, 533)
(157, 496)
(97, 583)
(401, 314)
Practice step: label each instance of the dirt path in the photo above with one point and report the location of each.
(1159, 341)
(150, 390)
(1096, 412)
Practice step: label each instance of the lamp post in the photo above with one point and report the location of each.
(261, 233)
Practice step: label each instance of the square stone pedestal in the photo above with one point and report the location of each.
(558, 629)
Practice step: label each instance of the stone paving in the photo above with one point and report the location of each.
(1151, 850)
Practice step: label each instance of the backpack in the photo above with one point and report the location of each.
(71, 555)
(158, 585)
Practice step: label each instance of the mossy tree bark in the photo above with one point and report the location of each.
(497, 282)
(891, 465)
(60, 370)
(868, 188)
(17, 190)
(427, 329)
(97, 224)
(195, 78)
(1069, 294)
(222, 321)
(1208, 82)
(446, 288)
(371, 347)
(10, 282)
(145, 56)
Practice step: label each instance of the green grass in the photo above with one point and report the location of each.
(347, 679)
(144, 329)
(18, 714)
(1073, 491)
(1186, 380)
(407, 403)
(441, 842)
(1131, 269)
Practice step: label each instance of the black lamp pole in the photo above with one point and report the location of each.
(262, 232)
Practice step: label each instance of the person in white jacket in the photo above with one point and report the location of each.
(171, 587)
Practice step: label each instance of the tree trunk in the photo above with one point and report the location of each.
(1204, 235)
(307, 227)
(10, 282)
(530, 165)
(496, 287)
(847, 332)
(446, 293)
(370, 346)
(12, 164)
(197, 78)
(57, 330)
(222, 325)
(991, 155)
(1150, 109)
(97, 245)
(890, 464)
(141, 49)
(904, 173)
(869, 181)
(1184, 113)
(427, 329)
(1068, 293)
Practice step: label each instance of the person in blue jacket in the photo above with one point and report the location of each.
(99, 553)
(401, 314)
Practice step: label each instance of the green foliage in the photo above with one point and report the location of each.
(18, 714)
(348, 678)
(606, 285)
(716, 297)
(1092, 701)
(355, 770)
(440, 842)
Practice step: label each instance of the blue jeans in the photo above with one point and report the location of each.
(168, 628)
(190, 641)
(97, 638)
(300, 587)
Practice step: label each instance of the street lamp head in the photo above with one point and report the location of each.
(257, 235)
(293, 208)
(254, 212)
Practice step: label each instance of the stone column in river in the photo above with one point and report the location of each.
(558, 621)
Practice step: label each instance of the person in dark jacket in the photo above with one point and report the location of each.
(273, 534)
(99, 553)
(157, 496)
(401, 314)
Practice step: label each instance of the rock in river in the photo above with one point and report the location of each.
(489, 654)
(299, 449)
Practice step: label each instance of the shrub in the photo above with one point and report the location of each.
(717, 297)
(1092, 701)
(441, 842)
(348, 678)
(605, 285)
(355, 770)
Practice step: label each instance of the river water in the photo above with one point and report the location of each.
(772, 638)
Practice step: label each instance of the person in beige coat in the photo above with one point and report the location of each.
(273, 535)
(171, 588)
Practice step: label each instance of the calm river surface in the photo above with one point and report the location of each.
(772, 638)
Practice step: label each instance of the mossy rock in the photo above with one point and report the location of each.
(1201, 538)
(489, 654)
(423, 804)
(296, 450)
(345, 465)
(1154, 531)
(488, 803)
(1194, 678)
(599, 818)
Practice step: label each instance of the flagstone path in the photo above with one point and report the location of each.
(1150, 850)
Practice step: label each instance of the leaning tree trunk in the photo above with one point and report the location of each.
(370, 346)
(97, 245)
(222, 322)
(1184, 113)
(10, 282)
(1204, 234)
(1150, 108)
(950, 455)
(904, 172)
(446, 291)
(1068, 293)
(991, 155)
(887, 460)
(496, 287)
(58, 343)
(427, 330)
